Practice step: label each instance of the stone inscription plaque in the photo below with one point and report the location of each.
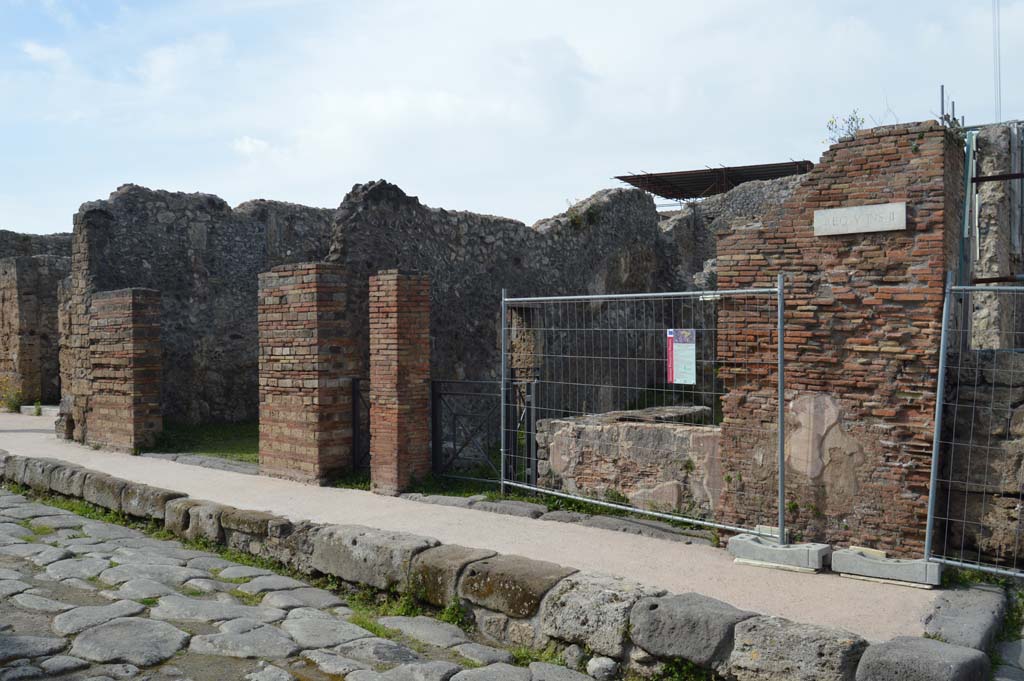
(885, 217)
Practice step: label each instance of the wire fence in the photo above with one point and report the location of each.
(978, 463)
(652, 403)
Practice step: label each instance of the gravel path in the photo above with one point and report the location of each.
(81, 599)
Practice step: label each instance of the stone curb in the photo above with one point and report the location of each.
(514, 600)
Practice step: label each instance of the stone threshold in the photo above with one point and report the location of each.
(517, 601)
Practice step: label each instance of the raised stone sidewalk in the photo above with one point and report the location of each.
(599, 623)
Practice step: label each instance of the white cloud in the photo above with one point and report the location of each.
(44, 54)
(250, 146)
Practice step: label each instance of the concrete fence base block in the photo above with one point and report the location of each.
(749, 547)
(860, 563)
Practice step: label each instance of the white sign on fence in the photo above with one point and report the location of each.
(681, 349)
(884, 217)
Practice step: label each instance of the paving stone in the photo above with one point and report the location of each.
(51, 554)
(171, 575)
(266, 583)
(1008, 673)
(40, 603)
(603, 668)
(15, 647)
(59, 522)
(494, 672)
(332, 663)
(315, 632)
(592, 610)
(437, 670)
(299, 613)
(481, 654)
(118, 671)
(143, 501)
(208, 586)
(426, 630)
(300, 598)
(7, 573)
(210, 563)
(135, 640)
(435, 572)
(27, 671)
(908, 658)
(183, 609)
(1011, 653)
(101, 530)
(688, 626)
(510, 584)
(775, 649)
(87, 616)
(234, 571)
(968, 617)
(15, 530)
(32, 510)
(542, 671)
(269, 673)
(82, 568)
(7, 540)
(142, 588)
(76, 583)
(103, 490)
(365, 555)
(23, 550)
(128, 556)
(262, 641)
(9, 587)
(62, 664)
(377, 651)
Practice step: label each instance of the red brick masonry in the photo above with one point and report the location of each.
(399, 380)
(862, 342)
(305, 373)
(124, 351)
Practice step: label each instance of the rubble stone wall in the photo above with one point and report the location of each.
(15, 244)
(28, 326)
(863, 324)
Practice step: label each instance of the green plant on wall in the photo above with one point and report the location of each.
(10, 395)
(840, 128)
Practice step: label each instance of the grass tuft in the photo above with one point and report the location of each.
(235, 441)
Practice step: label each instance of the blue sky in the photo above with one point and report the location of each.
(513, 109)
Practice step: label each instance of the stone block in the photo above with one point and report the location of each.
(435, 572)
(143, 501)
(688, 626)
(176, 514)
(592, 610)
(68, 480)
(251, 522)
(1011, 653)
(14, 468)
(968, 617)
(103, 490)
(775, 649)
(366, 555)
(204, 522)
(38, 472)
(908, 658)
(752, 547)
(523, 509)
(854, 562)
(513, 585)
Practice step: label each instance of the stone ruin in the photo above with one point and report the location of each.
(204, 258)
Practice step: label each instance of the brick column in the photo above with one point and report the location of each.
(305, 373)
(399, 380)
(124, 353)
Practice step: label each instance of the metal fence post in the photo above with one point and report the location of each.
(530, 427)
(504, 386)
(781, 351)
(940, 392)
(436, 443)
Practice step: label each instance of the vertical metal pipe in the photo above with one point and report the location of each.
(781, 351)
(531, 430)
(504, 385)
(940, 391)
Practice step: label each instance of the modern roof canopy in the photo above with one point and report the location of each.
(697, 184)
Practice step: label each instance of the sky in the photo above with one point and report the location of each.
(508, 108)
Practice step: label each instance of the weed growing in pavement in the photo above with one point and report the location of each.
(523, 655)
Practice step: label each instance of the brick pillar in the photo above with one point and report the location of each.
(399, 380)
(124, 353)
(306, 364)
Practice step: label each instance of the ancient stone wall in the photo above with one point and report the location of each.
(124, 358)
(28, 326)
(15, 244)
(862, 338)
(305, 373)
(204, 258)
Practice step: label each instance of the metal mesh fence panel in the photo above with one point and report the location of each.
(653, 403)
(978, 463)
